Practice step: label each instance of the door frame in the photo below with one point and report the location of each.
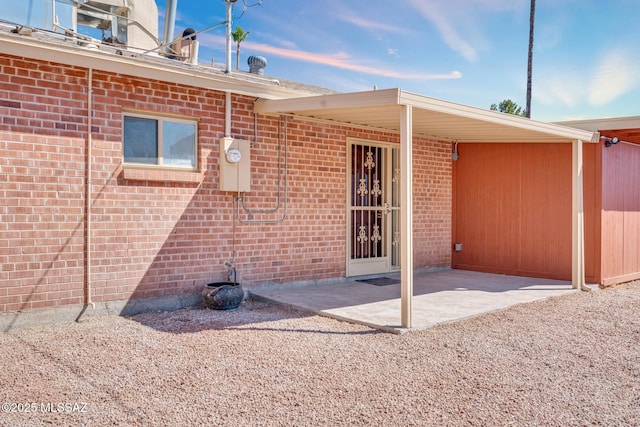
(383, 264)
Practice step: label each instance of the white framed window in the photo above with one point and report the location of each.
(160, 141)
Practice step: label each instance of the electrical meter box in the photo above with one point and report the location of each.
(235, 165)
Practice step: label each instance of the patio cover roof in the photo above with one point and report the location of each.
(380, 109)
(409, 114)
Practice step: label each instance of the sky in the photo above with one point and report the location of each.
(586, 61)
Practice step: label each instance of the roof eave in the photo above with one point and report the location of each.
(328, 102)
(23, 46)
(460, 110)
(613, 123)
(391, 97)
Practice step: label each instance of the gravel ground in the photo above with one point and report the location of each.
(571, 360)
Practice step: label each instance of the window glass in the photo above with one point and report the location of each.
(140, 140)
(162, 141)
(179, 144)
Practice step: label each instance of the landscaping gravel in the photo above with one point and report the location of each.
(570, 360)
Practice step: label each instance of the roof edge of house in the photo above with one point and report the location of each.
(610, 123)
(471, 112)
(141, 65)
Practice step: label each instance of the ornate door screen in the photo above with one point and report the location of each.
(373, 232)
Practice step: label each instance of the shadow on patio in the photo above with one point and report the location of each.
(439, 297)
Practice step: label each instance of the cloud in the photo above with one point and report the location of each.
(341, 60)
(372, 25)
(507, 5)
(565, 88)
(344, 61)
(271, 39)
(461, 24)
(613, 77)
(392, 52)
(446, 28)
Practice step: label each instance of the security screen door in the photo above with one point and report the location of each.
(373, 177)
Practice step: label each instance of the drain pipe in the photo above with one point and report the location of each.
(88, 194)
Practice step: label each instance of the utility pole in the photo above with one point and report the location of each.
(527, 110)
(229, 24)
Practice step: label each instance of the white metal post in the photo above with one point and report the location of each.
(577, 223)
(169, 22)
(406, 215)
(228, 36)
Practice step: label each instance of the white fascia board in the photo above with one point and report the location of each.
(329, 102)
(80, 56)
(510, 120)
(399, 97)
(614, 123)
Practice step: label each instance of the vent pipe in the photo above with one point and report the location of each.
(169, 21)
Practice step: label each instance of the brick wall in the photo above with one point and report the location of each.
(432, 198)
(41, 184)
(157, 233)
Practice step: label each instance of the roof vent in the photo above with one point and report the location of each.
(257, 64)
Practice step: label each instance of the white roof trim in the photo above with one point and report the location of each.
(495, 117)
(135, 64)
(432, 117)
(616, 123)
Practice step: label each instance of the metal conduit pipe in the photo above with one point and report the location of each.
(255, 130)
(88, 193)
(240, 199)
(273, 210)
(227, 115)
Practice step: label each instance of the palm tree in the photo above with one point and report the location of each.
(532, 14)
(239, 35)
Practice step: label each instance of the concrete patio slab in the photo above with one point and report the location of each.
(439, 297)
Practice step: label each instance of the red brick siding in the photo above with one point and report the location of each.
(152, 238)
(432, 198)
(42, 161)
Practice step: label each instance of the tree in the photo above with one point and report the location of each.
(509, 107)
(532, 14)
(239, 35)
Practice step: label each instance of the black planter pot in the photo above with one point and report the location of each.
(223, 295)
